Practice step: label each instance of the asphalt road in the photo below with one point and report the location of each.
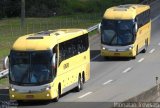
(115, 80)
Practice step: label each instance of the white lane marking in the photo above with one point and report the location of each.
(127, 70)
(95, 57)
(109, 81)
(155, 18)
(141, 60)
(85, 95)
(151, 51)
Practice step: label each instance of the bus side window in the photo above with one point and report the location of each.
(73, 47)
(61, 53)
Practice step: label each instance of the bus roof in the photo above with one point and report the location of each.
(45, 40)
(128, 11)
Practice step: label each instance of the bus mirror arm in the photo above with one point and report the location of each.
(135, 28)
(6, 62)
(54, 60)
(99, 28)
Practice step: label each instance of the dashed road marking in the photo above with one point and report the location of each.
(141, 60)
(95, 57)
(109, 81)
(85, 95)
(156, 18)
(127, 70)
(151, 51)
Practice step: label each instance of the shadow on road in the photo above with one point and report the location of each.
(42, 103)
(96, 57)
(4, 95)
(33, 103)
(94, 53)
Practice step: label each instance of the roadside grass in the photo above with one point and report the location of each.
(10, 29)
(4, 82)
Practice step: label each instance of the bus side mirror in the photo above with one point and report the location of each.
(99, 28)
(54, 62)
(6, 63)
(135, 28)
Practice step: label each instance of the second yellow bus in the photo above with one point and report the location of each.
(125, 30)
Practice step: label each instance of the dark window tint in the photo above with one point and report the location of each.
(73, 47)
(143, 18)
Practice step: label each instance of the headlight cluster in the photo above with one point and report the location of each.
(103, 48)
(46, 88)
(130, 48)
(13, 89)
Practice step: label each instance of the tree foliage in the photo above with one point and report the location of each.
(45, 8)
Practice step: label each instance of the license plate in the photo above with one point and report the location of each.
(29, 96)
(117, 54)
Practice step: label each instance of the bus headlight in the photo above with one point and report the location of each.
(130, 48)
(46, 88)
(13, 89)
(103, 48)
(13, 96)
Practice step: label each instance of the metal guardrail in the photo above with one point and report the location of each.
(90, 29)
(3, 73)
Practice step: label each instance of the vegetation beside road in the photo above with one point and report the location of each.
(10, 29)
(45, 8)
(3, 81)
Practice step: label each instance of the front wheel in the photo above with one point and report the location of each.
(145, 47)
(134, 57)
(80, 84)
(58, 95)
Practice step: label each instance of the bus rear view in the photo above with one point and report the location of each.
(125, 30)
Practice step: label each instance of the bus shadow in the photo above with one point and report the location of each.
(96, 57)
(43, 102)
(110, 59)
(4, 95)
(34, 103)
(94, 54)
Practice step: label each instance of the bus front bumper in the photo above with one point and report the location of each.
(107, 53)
(45, 95)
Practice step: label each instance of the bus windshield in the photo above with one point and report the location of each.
(117, 32)
(31, 67)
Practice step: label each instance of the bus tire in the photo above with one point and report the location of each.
(58, 93)
(134, 57)
(80, 84)
(145, 46)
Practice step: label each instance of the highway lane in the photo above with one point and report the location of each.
(115, 80)
(125, 78)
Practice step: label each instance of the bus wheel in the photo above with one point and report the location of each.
(145, 47)
(58, 94)
(80, 84)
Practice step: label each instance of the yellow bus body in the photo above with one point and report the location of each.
(68, 70)
(128, 12)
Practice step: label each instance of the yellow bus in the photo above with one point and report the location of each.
(47, 64)
(125, 30)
